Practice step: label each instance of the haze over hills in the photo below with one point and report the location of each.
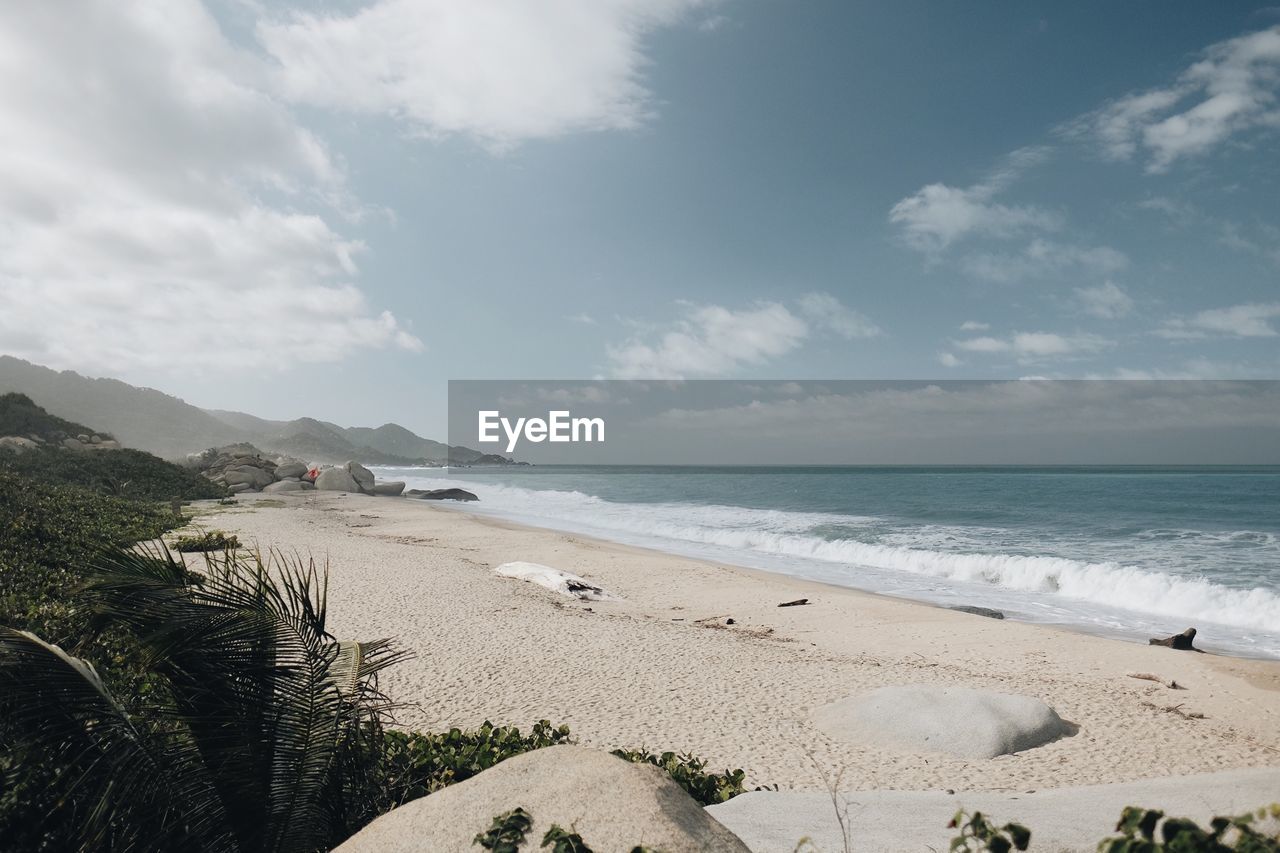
(170, 427)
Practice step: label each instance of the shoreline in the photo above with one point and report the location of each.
(662, 668)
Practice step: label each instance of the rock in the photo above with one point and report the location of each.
(255, 477)
(391, 489)
(362, 475)
(84, 439)
(1181, 641)
(285, 486)
(978, 611)
(307, 485)
(239, 487)
(957, 720)
(290, 469)
(17, 444)
(336, 480)
(73, 444)
(107, 444)
(443, 495)
(613, 804)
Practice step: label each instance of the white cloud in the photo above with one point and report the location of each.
(583, 318)
(1250, 320)
(1231, 90)
(938, 215)
(824, 311)
(502, 71)
(712, 341)
(974, 326)
(947, 359)
(1034, 346)
(160, 208)
(1041, 258)
(1107, 301)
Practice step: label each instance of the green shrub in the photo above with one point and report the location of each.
(689, 772)
(121, 473)
(419, 763)
(210, 540)
(1149, 831)
(978, 834)
(507, 832)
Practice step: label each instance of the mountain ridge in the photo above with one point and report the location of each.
(170, 427)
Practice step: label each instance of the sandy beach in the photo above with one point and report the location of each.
(661, 668)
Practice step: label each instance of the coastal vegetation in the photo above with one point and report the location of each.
(205, 541)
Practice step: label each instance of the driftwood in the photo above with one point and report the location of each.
(795, 603)
(1150, 676)
(1178, 641)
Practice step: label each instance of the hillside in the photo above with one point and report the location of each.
(167, 426)
(137, 417)
(20, 416)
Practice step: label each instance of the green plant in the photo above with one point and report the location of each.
(209, 540)
(689, 772)
(507, 833)
(121, 473)
(561, 840)
(415, 764)
(257, 735)
(978, 834)
(1138, 834)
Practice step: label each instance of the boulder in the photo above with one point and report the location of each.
(291, 469)
(391, 489)
(613, 804)
(73, 444)
(978, 611)
(336, 480)
(256, 477)
(443, 495)
(362, 475)
(957, 720)
(285, 486)
(17, 444)
(238, 487)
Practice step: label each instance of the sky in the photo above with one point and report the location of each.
(332, 209)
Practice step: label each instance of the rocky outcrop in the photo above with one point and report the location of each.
(956, 720)
(336, 480)
(362, 475)
(17, 444)
(611, 803)
(243, 468)
(978, 611)
(442, 495)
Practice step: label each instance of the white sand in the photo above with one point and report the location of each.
(659, 668)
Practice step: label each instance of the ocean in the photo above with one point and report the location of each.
(1130, 552)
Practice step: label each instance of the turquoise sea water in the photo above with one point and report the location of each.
(1131, 552)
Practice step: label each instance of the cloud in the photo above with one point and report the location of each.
(1250, 320)
(501, 71)
(947, 359)
(1041, 258)
(1107, 301)
(711, 340)
(938, 215)
(161, 209)
(583, 318)
(824, 311)
(1229, 91)
(1035, 346)
(974, 326)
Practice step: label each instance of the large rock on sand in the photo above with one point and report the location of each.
(391, 489)
(256, 477)
(287, 469)
(336, 480)
(613, 804)
(958, 720)
(285, 486)
(443, 495)
(362, 475)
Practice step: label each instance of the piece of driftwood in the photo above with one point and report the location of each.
(1178, 641)
(795, 603)
(1150, 676)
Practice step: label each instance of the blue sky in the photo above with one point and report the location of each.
(333, 213)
